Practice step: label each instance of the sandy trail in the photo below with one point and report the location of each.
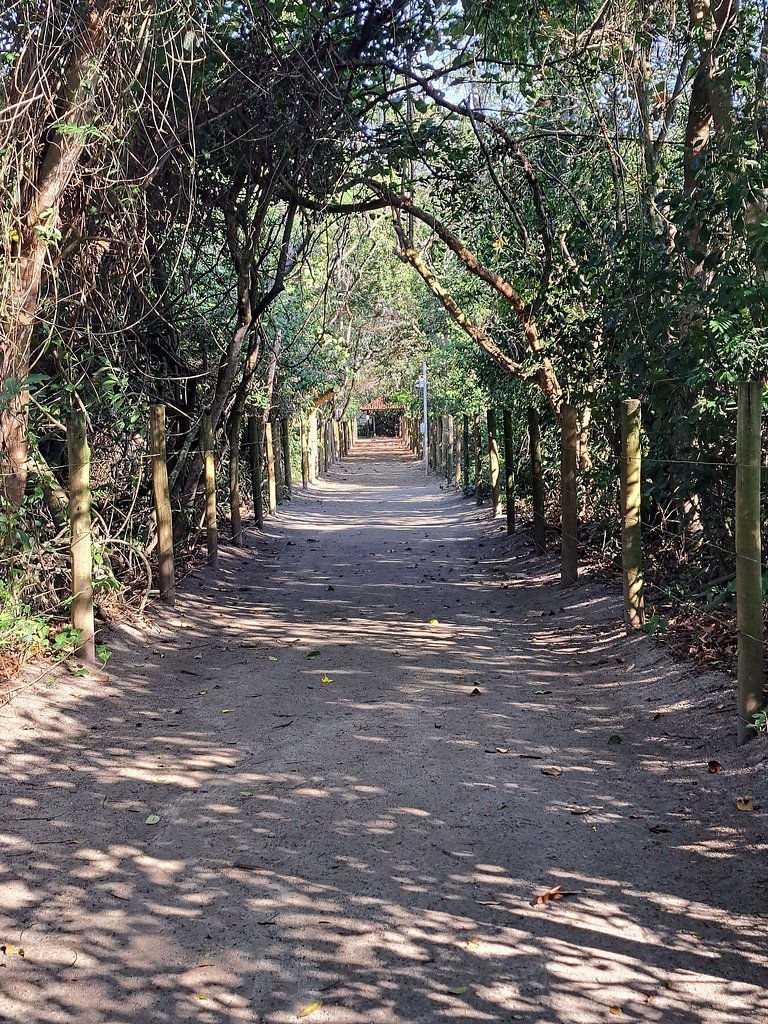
(374, 842)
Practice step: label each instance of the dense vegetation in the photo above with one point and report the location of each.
(244, 207)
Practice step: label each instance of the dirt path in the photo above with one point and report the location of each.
(374, 841)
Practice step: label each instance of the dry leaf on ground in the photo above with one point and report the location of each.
(557, 892)
(552, 771)
(310, 1009)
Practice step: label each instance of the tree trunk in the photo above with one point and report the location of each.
(61, 153)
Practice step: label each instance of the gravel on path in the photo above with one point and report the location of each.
(342, 770)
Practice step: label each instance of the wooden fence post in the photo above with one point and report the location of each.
(314, 448)
(456, 452)
(493, 463)
(569, 508)
(254, 458)
(234, 481)
(478, 461)
(448, 443)
(271, 479)
(277, 455)
(537, 482)
(81, 558)
(465, 453)
(212, 528)
(509, 471)
(631, 527)
(287, 474)
(749, 592)
(167, 571)
(304, 453)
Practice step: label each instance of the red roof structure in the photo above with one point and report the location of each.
(380, 405)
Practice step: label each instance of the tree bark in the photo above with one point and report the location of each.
(51, 178)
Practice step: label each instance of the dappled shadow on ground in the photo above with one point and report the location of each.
(373, 841)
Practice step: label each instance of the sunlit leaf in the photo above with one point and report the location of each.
(310, 1009)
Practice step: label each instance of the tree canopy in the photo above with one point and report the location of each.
(236, 207)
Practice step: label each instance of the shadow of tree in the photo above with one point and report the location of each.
(375, 842)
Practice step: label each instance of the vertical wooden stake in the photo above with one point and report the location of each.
(287, 474)
(631, 527)
(234, 481)
(749, 593)
(456, 452)
(271, 479)
(277, 456)
(509, 471)
(81, 559)
(465, 453)
(254, 458)
(493, 463)
(569, 508)
(304, 453)
(167, 571)
(537, 482)
(212, 528)
(447, 445)
(478, 461)
(314, 448)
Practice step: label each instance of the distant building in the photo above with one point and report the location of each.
(383, 418)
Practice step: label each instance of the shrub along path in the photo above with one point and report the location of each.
(297, 788)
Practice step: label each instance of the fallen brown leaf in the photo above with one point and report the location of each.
(557, 892)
